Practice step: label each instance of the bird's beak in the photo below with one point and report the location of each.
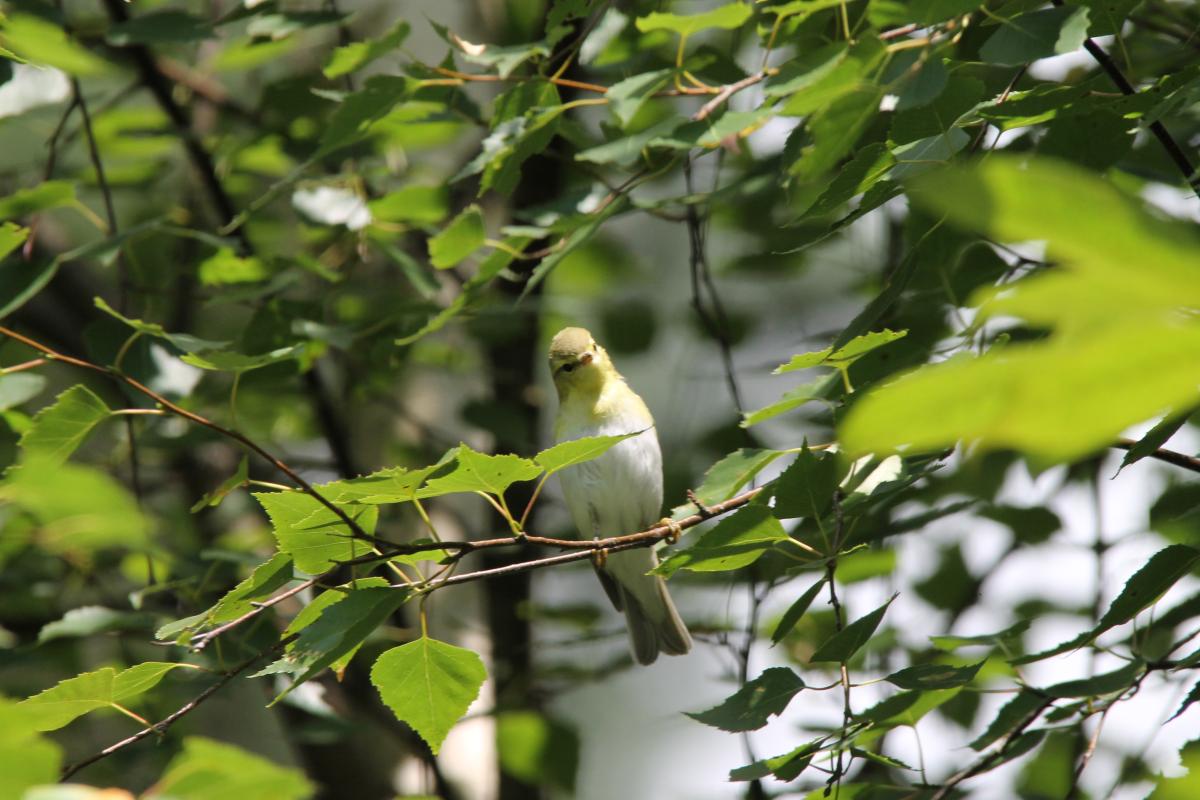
(585, 359)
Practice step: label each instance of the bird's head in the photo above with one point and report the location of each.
(577, 363)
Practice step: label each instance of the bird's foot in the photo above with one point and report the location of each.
(674, 530)
(600, 557)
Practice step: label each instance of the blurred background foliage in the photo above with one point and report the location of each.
(347, 230)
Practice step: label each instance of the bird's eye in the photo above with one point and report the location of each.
(568, 367)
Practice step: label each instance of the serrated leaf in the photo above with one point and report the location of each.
(184, 341)
(471, 471)
(1154, 438)
(46, 195)
(235, 481)
(1011, 715)
(805, 489)
(1191, 698)
(359, 111)
(58, 429)
(749, 708)
(230, 361)
(352, 57)
(390, 485)
(1155, 577)
(934, 676)
(723, 479)
(1007, 636)
(795, 612)
(843, 356)
(736, 541)
(311, 533)
(1105, 683)
(265, 579)
(627, 96)
(72, 698)
(429, 685)
(846, 642)
(341, 628)
(464, 235)
(1035, 35)
(786, 767)
(206, 769)
(791, 399)
(576, 451)
(726, 17)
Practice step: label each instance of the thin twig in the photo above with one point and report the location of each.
(169, 720)
(1174, 151)
(1164, 455)
(192, 416)
(727, 92)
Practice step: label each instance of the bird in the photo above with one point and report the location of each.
(620, 491)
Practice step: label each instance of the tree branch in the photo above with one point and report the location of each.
(1174, 151)
(1164, 455)
(192, 416)
(169, 720)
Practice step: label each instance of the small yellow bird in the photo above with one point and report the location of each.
(620, 492)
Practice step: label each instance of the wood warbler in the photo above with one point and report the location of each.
(620, 492)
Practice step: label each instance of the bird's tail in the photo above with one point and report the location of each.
(654, 623)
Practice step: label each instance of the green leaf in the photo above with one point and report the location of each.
(208, 769)
(90, 620)
(1038, 34)
(786, 767)
(58, 429)
(19, 387)
(1011, 716)
(492, 266)
(159, 27)
(795, 612)
(391, 485)
(78, 508)
(225, 267)
(359, 111)
(934, 676)
(352, 57)
(627, 96)
(751, 706)
(846, 642)
(1155, 438)
(46, 195)
(471, 471)
(429, 685)
(1191, 698)
(12, 236)
(43, 42)
(338, 632)
(1156, 576)
(265, 579)
(230, 361)
(731, 473)
(576, 451)
(184, 341)
(835, 130)
(726, 17)
(1118, 680)
(26, 759)
(235, 481)
(464, 235)
(312, 534)
(104, 688)
(1006, 637)
(420, 204)
(791, 399)
(805, 489)
(587, 227)
(736, 541)
(537, 750)
(843, 356)
(1013, 397)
